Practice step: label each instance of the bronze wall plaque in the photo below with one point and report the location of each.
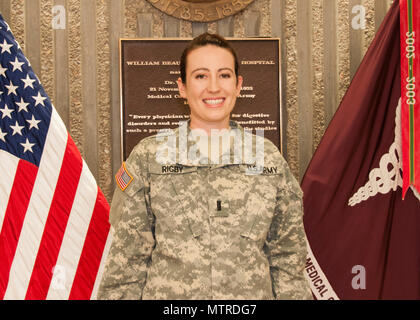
(150, 99)
(200, 10)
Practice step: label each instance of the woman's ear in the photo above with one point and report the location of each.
(181, 88)
(239, 85)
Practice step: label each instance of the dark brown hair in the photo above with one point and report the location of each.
(201, 41)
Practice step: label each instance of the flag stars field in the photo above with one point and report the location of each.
(28, 82)
(22, 105)
(2, 135)
(27, 146)
(17, 65)
(6, 112)
(12, 88)
(3, 71)
(17, 129)
(33, 123)
(5, 47)
(39, 99)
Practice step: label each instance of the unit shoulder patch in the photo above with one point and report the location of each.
(123, 177)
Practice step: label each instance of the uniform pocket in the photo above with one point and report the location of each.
(256, 226)
(260, 202)
(166, 182)
(173, 199)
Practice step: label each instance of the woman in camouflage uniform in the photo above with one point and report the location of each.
(198, 219)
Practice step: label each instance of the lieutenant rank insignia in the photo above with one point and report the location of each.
(123, 178)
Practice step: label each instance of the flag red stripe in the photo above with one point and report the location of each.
(56, 223)
(404, 106)
(410, 114)
(14, 217)
(121, 183)
(93, 247)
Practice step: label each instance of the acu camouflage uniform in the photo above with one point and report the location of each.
(202, 231)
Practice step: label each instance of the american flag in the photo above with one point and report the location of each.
(54, 229)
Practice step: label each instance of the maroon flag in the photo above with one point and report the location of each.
(364, 240)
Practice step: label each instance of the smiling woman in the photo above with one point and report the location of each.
(209, 210)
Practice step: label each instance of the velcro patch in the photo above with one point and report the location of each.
(123, 178)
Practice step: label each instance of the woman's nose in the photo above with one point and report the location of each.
(213, 85)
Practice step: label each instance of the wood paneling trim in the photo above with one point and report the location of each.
(252, 21)
(171, 27)
(75, 73)
(318, 87)
(117, 31)
(225, 27)
(47, 49)
(61, 58)
(33, 34)
(17, 21)
(5, 10)
(381, 9)
(198, 28)
(356, 40)
(330, 59)
(145, 25)
(103, 101)
(88, 31)
(304, 83)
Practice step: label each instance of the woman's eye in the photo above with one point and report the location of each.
(200, 76)
(225, 75)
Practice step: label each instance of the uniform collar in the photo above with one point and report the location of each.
(195, 148)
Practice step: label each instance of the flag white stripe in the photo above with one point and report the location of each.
(74, 236)
(37, 213)
(320, 273)
(102, 264)
(8, 166)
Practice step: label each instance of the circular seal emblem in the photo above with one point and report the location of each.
(200, 10)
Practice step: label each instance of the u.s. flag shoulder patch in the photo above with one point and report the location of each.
(123, 178)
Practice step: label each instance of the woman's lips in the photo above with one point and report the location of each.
(214, 102)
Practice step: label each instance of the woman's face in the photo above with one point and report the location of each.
(211, 87)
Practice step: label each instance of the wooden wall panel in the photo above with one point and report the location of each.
(33, 34)
(46, 48)
(74, 40)
(79, 65)
(225, 27)
(317, 74)
(61, 74)
(145, 25)
(330, 57)
(89, 84)
(330, 62)
(356, 39)
(198, 28)
(103, 97)
(304, 87)
(116, 32)
(171, 27)
(5, 9)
